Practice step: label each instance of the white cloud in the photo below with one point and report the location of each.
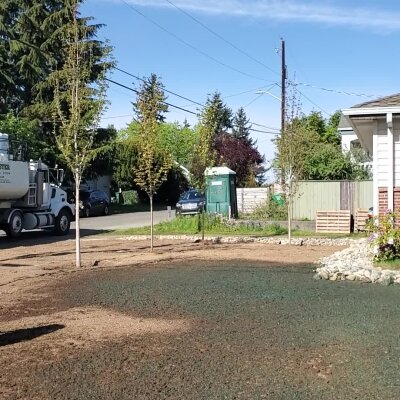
(288, 10)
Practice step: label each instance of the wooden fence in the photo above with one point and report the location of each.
(333, 221)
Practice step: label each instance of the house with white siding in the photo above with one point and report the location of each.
(377, 126)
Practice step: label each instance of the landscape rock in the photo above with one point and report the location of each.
(355, 264)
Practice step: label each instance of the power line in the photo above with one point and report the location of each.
(312, 102)
(165, 90)
(221, 37)
(137, 92)
(194, 48)
(174, 106)
(335, 90)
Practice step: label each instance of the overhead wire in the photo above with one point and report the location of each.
(194, 48)
(219, 36)
(174, 106)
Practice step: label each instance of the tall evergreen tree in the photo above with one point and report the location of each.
(32, 34)
(152, 87)
(241, 127)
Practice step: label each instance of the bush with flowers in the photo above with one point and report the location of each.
(384, 236)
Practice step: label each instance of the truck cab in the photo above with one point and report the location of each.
(30, 195)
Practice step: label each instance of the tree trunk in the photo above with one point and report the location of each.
(151, 222)
(77, 223)
(290, 215)
(203, 224)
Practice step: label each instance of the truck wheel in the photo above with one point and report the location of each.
(14, 228)
(106, 210)
(63, 222)
(86, 212)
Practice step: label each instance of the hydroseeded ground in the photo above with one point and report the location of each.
(210, 330)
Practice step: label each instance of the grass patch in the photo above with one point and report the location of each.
(191, 225)
(389, 264)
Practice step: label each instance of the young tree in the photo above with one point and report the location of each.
(78, 103)
(289, 161)
(153, 161)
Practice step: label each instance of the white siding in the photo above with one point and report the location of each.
(396, 138)
(382, 155)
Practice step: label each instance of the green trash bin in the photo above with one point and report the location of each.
(278, 199)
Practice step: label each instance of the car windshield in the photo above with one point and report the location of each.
(191, 196)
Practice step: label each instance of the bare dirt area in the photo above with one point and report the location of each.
(189, 321)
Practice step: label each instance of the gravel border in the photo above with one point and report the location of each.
(311, 241)
(355, 264)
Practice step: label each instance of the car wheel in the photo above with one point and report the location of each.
(106, 210)
(86, 212)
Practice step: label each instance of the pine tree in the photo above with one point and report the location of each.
(241, 127)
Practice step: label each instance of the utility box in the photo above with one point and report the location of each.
(221, 191)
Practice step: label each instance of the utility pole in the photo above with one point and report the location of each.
(283, 87)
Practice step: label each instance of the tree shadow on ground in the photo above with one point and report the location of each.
(34, 238)
(22, 335)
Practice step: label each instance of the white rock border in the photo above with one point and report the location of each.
(355, 264)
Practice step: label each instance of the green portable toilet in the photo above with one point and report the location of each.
(221, 191)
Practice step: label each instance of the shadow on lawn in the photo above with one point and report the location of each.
(22, 335)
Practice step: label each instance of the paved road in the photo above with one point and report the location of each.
(122, 221)
(109, 222)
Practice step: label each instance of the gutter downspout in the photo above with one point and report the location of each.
(389, 122)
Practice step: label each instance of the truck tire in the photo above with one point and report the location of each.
(86, 212)
(14, 227)
(63, 223)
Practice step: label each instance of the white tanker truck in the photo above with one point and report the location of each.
(28, 199)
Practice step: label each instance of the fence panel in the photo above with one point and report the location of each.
(249, 198)
(315, 195)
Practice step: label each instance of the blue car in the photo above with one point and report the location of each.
(191, 202)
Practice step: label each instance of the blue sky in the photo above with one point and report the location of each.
(343, 45)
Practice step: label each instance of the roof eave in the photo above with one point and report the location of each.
(371, 111)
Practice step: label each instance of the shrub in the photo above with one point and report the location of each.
(384, 236)
(271, 210)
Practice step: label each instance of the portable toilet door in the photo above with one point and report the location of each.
(221, 191)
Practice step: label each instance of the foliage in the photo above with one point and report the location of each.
(240, 156)
(270, 210)
(78, 103)
(154, 162)
(385, 236)
(241, 127)
(152, 86)
(179, 140)
(319, 152)
(25, 134)
(213, 225)
(33, 47)
(204, 154)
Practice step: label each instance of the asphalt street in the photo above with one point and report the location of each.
(110, 222)
(123, 221)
